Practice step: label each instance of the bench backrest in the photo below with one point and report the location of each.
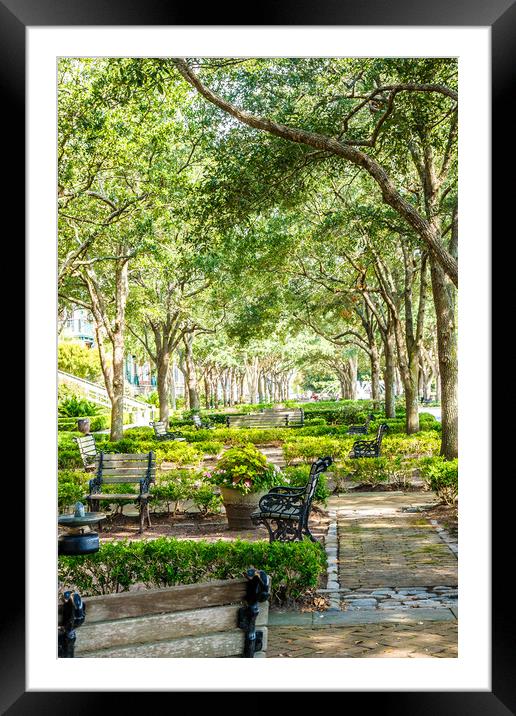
(318, 467)
(126, 467)
(382, 429)
(187, 621)
(159, 427)
(87, 449)
(268, 418)
(197, 420)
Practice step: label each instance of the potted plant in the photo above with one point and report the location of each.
(244, 476)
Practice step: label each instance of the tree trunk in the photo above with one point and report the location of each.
(444, 300)
(173, 384)
(193, 395)
(206, 392)
(261, 391)
(389, 375)
(163, 369)
(375, 373)
(411, 387)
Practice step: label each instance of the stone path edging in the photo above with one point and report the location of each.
(332, 547)
(370, 616)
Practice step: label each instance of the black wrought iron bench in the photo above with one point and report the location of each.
(88, 450)
(369, 448)
(161, 432)
(123, 468)
(360, 429)
(268, 419)
(201, 424)
(289, 507)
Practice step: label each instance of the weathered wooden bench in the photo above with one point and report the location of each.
(369, 448)
(268, 419)
(188, 621)
(360, 429)
(88, 450)
(123, 468)
(288, 508)
(201, 424)
(161, 432)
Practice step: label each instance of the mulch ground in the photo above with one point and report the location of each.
(192, 525)
(446, 515)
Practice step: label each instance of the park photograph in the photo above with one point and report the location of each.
(257, 357)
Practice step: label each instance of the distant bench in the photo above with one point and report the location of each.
(187, 621)
(268, 419)
(123, 468)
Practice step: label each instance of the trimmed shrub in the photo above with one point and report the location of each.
(72, 485)
(97, 422)
(294, 567)
(298, 477)
(443, 478)
(206, 501)
(416, 445)
(311, 448)
(171, 488)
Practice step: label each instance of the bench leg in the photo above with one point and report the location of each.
(142, 509)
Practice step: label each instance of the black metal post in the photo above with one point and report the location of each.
(257, 591)
(74, 613)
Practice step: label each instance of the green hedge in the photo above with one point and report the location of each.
(97, 422)
(293, 567)
(443, 477)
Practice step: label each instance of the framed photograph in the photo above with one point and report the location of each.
(43, 43)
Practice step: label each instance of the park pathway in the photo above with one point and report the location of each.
(392, 585)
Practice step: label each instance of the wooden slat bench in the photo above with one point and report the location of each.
(369, 448)
(268, 419)
(188, 621)
(161, 432)
(122, 468)
(201, 424)
(361, 429)
(88, 451)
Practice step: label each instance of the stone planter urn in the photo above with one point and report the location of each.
(83, 425)
(239, 507)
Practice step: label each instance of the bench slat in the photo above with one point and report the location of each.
(116, 496)
(124, 475)
(210, 646)
(160, 627)
(182, 597)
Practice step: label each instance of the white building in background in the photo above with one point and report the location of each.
(78, 326)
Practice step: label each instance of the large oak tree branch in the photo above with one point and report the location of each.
(322, 142)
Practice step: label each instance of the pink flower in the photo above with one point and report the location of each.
(247, 483)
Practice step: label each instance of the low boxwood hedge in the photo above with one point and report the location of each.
(97, 422)
(293, 567)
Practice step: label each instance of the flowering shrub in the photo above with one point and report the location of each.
(245, 469)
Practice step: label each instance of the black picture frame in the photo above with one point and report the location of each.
(500, 16)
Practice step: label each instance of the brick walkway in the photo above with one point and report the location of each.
(401, 551)
(393, 590)
(419, 640)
